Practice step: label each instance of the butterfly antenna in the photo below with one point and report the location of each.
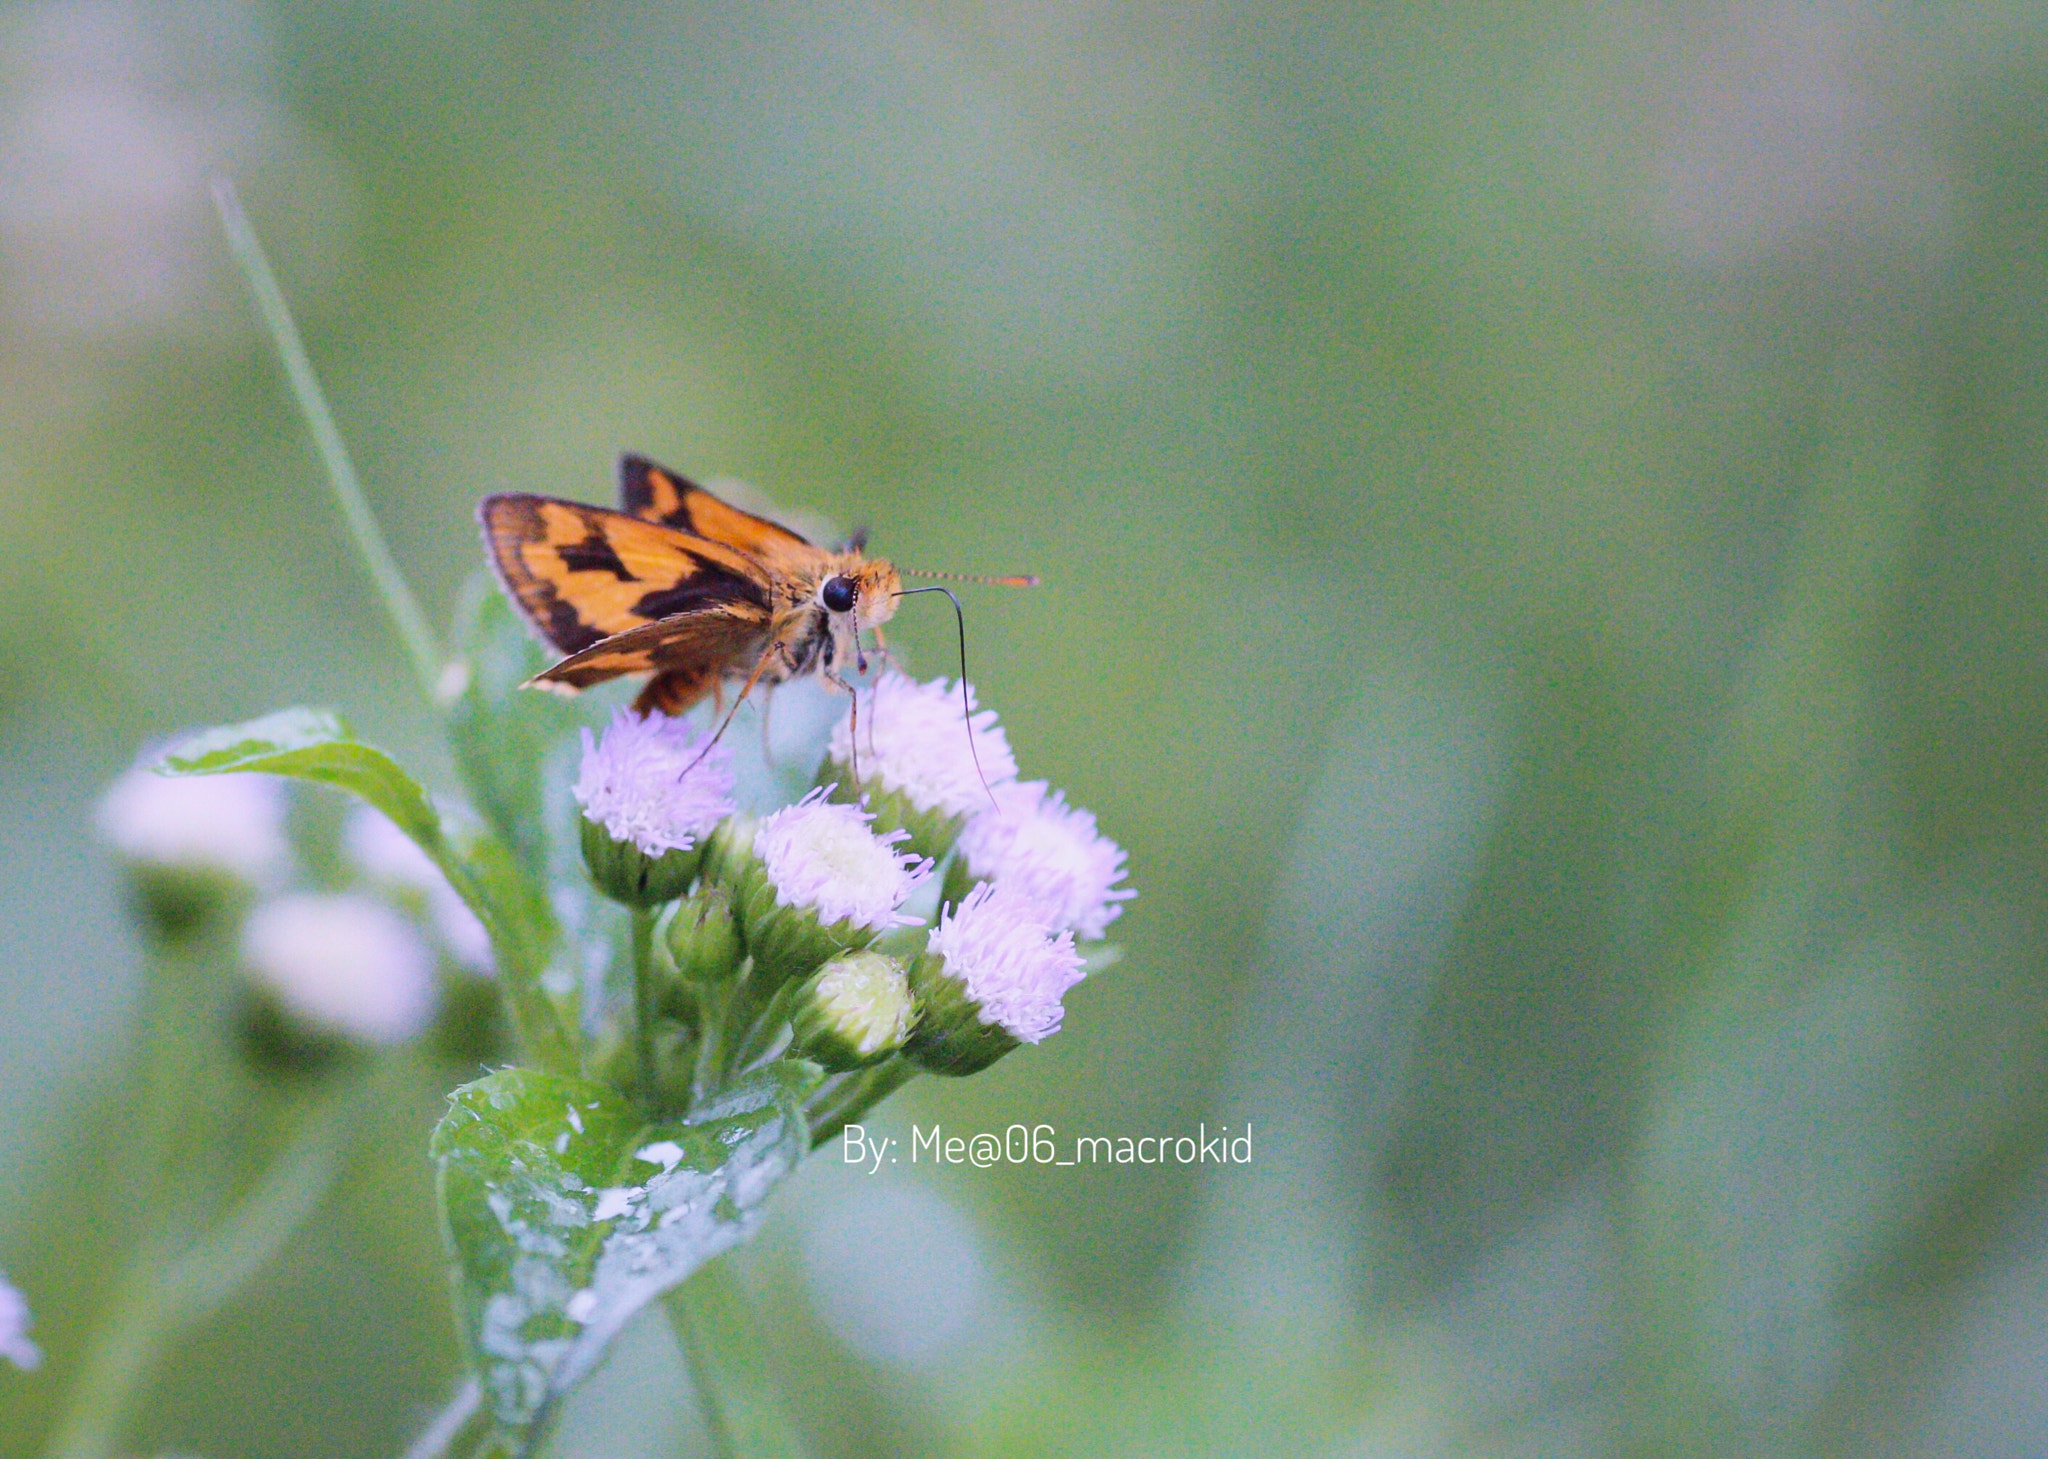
(994, 580)
(966, 702)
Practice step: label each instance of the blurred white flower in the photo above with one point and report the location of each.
(15, 1346)
(998, 946)
(823, 857)
(1032, 842)
(113, 119)
(386, 855)
(920, 740)
(651, 782)
(226, 823)
(345, 963)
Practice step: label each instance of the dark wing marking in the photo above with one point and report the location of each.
(583, 574)
(696, 649)
(656, 494)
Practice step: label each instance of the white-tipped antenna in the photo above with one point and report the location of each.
(994, 580)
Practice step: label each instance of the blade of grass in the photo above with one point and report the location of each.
(406, 618)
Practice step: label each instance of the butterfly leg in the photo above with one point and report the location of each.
(831, 676)
(768, 656)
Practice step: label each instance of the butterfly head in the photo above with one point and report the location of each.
(862, 589)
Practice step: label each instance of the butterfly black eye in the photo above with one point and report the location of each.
(837, 595)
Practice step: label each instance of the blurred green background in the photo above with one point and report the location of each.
(1545, 512)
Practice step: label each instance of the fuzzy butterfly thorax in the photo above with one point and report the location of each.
(682, 586)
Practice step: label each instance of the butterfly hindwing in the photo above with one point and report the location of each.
(691, 651)
(656, 494)
(583, 574)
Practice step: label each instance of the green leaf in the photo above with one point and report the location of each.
(715, 1324)
(313, 744)
(567, 1213)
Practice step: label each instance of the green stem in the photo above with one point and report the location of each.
(763, 1029)
(406, 618)
(646, 998)
(715, 1325)
(713, 1007)
(840, 1105)
(162, 1294)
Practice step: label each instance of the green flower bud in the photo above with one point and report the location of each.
(281, 1046)
(625, 873)
(177, 904)
(704, 937)
(854, 1011)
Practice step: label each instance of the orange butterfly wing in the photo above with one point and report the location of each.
(656, 494)
(584, 575)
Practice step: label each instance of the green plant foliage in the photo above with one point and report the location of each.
(567, 1212)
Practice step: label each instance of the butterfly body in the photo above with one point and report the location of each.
(682, 586)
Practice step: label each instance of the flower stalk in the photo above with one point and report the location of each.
(406, 618)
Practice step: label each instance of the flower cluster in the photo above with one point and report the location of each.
(791, 928)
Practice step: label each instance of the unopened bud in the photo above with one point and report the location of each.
(703, 937)
(854, 1011)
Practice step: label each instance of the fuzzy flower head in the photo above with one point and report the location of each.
(232, 824)
(634, 782)
(921, 742)
(344, 964)
(1032, 842)
(997, 944)
(387, 856)
(15, 1346)
(825, 858)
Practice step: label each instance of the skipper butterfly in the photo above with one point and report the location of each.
(686, 588)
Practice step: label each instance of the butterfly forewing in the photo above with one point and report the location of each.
(656, 494)
(583, 574)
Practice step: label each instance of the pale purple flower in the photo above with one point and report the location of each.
(344, 963)
(823, 856)
(1032, 842)
(386, 855)
(224, 823)
(645, 783)
(15, 1346)
(918, 740)
(1011, 962)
